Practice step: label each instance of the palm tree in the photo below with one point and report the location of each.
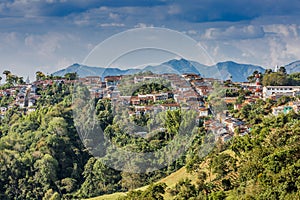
(20, 80)
(39, 75)
(11, 79)
(6, 72)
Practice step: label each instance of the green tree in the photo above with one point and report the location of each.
(40, 75)
(282, 70)
(71, 76)
(46, 171)
(184, 189)
(275, 79)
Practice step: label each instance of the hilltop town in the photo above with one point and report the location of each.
(186, 91)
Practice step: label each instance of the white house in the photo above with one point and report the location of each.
(203, 112)
(269, 91)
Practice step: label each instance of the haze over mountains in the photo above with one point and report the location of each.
(221, 70)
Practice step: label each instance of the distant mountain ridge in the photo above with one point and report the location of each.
(293, 67)
(83, 71)
(222, 70)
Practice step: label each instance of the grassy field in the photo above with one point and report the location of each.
(113, 196)
(170, 180)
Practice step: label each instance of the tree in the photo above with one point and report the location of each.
(252, 77)
(184, 189)
(99, 179)
(268, 71)
(6, 72)
(46, 169)
(275, 79)
(20, 80)
(241, 98)
(71, 76)
(282, 70)
(220, 195)
(223, 163)
(40, 75)
(130, 179)
(154, 192)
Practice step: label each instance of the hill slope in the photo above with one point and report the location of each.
(170, 180)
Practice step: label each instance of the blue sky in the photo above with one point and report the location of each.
(49, 35)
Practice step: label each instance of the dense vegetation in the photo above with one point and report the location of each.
(262, 165)
(42, 156)
(278, 78)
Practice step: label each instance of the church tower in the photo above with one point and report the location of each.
(27, 80)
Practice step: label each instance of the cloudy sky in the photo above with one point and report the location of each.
(49, 35)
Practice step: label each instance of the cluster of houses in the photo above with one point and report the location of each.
(188, 91)
(24, 96)
(226, 127)
(292, 106)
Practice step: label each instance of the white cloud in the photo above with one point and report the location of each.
(143, 25)
(8, 38)
(285, 30)
(113, 16)
(112, 25)
(45, 45)
(56, 41)
(234, 32)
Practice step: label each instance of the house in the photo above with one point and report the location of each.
(191, 76)
(232, 123)
(21, 103)
(125, 100)
(276, 91)
(230, 99)
(203, 90)
(33, 89)
(203, 112)
(135, 101)
(145, 98)
(112, 80)
(281, 109)
(31, 109)
(171, 106)
(138, 79)
(113, 94)
(93, 79)
(162, 96)
(31, 102)
(295, 105)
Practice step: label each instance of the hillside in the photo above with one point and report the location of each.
(170, 180)
(262, 165)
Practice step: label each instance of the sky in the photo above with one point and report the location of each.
(49, 35)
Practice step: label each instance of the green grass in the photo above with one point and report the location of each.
(113, 196)
(170, 180)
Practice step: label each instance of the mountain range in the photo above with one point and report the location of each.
(222, 70)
